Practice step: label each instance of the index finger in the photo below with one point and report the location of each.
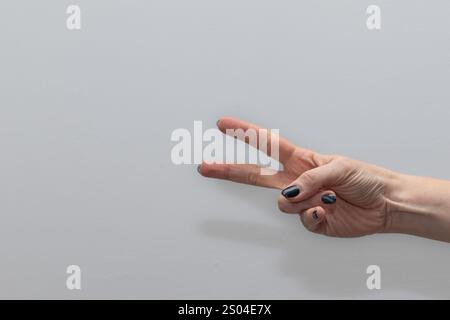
(285, 148)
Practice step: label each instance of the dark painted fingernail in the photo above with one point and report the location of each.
(290, 192)
(217, 123)
(329, 198)
(199, 167)
(315, 216)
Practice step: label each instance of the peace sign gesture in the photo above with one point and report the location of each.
(333, 195)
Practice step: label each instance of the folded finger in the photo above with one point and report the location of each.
(313, 218)
(325, 198)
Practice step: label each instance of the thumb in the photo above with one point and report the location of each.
(311, 181)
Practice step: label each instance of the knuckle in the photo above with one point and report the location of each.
(226, 172)
(253, 178)
(282, 205)
(344, 162)
(308, 177)
(308, 223)
(305, 224)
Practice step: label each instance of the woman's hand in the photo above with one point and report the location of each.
(334, 195)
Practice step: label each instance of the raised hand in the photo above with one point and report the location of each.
(333, 195)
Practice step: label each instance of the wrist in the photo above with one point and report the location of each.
(418, 206)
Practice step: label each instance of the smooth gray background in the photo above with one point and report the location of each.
(85, 124)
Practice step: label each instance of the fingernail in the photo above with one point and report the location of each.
(315, 216)
(217, 123)
(290, 192)
(329, 198)
(199, 167)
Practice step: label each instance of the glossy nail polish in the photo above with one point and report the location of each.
(314, 215)
(291, 192)
(199, 168)
(329, 198)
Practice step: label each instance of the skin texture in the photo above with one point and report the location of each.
(369, 199)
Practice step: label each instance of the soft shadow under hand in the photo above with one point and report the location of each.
(333, 267)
